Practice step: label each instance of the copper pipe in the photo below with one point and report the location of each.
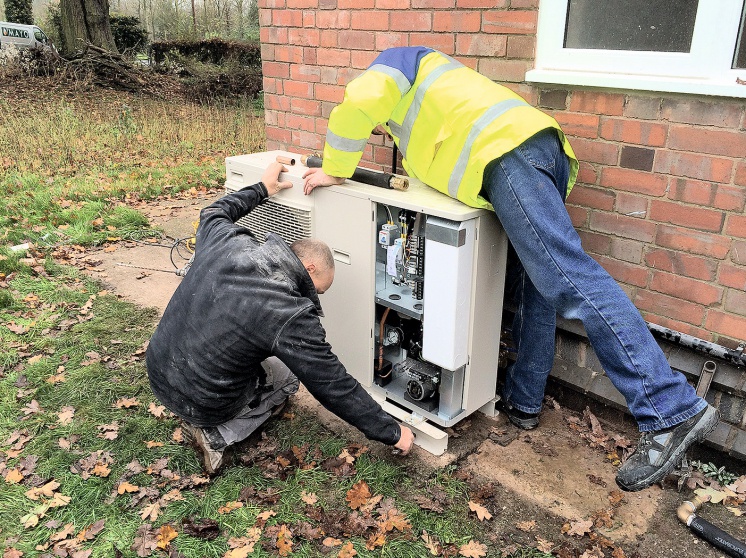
(380, 339)
(285, 160)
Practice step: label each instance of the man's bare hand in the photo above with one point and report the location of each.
(271, 179)
(406, 440)
(315, 177)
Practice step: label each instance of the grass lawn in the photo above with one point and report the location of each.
(90, 463)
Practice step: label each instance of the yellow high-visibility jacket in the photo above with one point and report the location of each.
(448, 121)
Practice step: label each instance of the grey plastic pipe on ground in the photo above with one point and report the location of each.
(735, 356)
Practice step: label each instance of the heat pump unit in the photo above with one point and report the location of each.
(415, 310)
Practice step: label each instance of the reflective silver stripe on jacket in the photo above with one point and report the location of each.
(489, 116)
(414, 109)
(401, 80)
(345, 144)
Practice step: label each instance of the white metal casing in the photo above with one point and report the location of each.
(449, 261)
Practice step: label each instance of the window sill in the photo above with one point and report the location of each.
(637, 82)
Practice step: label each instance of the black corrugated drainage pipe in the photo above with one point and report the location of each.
(734, 356)
(706, 530)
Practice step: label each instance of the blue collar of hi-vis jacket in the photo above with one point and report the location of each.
(405, 60)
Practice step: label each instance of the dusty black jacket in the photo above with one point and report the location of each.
(240, 303)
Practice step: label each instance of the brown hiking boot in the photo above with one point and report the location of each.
(277, 410)
(212, 460)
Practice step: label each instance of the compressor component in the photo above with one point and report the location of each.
(423, 379)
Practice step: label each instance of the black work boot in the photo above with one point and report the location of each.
(659, 452)
(523, 420)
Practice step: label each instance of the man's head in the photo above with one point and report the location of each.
(317, 258)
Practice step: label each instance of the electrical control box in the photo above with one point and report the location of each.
(415, 309)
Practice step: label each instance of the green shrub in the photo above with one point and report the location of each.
(210, 51)
(129, 35)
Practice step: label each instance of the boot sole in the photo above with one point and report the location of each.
(709, 421)
(528, 424)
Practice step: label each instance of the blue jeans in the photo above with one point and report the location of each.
(527, 187)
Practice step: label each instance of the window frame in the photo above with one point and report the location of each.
(706, 69)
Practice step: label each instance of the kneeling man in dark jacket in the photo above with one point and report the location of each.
(243, 324)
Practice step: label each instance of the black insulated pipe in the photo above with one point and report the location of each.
(717, 537)
(707, 531)
(366, 176)
(734, 356)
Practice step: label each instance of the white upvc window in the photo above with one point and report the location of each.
(686, 46)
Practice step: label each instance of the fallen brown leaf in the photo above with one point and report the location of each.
(109, 431)
(594, 552)
(473, 549)
(543, 545)
(347, 551)
(46, 490)
(376, 540)
(165, 535)
(229, 507)
(66, 415)
(482, 512)
(309, 498)
(14, 476)
(101, 470)
(32, 408)
(284, 541)
(126, 403)
(431, 543)
(61, 535)
(577, 528)
(127, 487)
(90, 532)
(145, 541)
(358, 494)
(616, 497)
(16, 328)
(151, 512)
(158, 411)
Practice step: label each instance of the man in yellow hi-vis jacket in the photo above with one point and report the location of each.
(482, 144)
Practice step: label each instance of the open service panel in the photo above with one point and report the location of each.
(415, 310)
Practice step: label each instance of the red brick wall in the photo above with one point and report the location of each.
(662, 189)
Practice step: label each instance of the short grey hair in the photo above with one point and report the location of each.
(311, 249)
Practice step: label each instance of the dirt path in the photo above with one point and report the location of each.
(550, 476)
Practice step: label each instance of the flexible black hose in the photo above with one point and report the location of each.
(717, 537)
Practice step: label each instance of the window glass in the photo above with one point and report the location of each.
(739, 60)
(644, 25)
